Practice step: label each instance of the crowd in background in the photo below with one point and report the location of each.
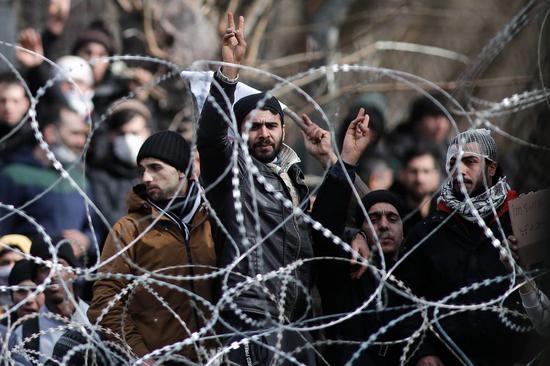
(94, 123)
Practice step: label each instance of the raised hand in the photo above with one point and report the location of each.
(359, 245)
(234, 46)
(318, 142)
(79, 241)
(357, 138)
(31, 40)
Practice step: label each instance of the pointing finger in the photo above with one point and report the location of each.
(364, 125)
(361, 113)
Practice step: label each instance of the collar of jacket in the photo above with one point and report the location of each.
(137, 202)
(286, 158)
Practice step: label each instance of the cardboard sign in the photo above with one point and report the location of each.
(531, 225)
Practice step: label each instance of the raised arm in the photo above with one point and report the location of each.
(334, 279)
(332, 201)
(234, 46)
(212, 137)
(318, 143)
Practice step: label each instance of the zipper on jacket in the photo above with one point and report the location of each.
(189, 256)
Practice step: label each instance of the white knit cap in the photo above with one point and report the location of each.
(77, 69)
(478, 141)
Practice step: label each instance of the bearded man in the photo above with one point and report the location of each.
(256, 203)
(456, 247)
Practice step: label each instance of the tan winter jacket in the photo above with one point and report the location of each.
(148, 324)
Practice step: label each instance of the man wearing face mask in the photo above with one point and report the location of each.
(79, 92)
(113, 169)
(74, 79)
(61, 210)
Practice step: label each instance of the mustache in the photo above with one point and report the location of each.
(385, 235)
(263, 143)
(465, 180)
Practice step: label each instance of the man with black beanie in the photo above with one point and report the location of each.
(165, 236)
(257, 203)
(21, 276)
(343, 281)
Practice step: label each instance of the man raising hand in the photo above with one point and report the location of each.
(257, 211)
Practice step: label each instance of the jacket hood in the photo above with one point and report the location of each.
(137, 200)
(137, 203)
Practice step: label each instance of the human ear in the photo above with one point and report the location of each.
(492, 169)
(49, 133)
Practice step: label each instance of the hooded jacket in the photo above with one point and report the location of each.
(283, 237)
(160, 248)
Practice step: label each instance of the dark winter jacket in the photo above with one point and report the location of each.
(455, 254)
(108, 178)
(340, 294)
(57, 209)
(283, 238)
(21, 139)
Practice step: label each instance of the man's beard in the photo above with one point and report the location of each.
(419, 195)
(478, 189)
(266, 158)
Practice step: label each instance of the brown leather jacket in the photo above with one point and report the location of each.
(148, 324)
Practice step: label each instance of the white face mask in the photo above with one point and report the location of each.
(81, 102)
(4, 273)
(65, 155)
(126, 147)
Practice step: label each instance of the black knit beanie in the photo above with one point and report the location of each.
(168, 146)
(21, 271)
(97, 33)
(375, 197)
(73, 340)
(250, 102)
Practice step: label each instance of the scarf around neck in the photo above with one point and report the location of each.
(482, 203)
(183, 209)
(280, 166)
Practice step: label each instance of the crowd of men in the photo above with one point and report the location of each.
(230, 257)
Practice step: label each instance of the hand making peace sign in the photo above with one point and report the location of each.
(234, 46)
